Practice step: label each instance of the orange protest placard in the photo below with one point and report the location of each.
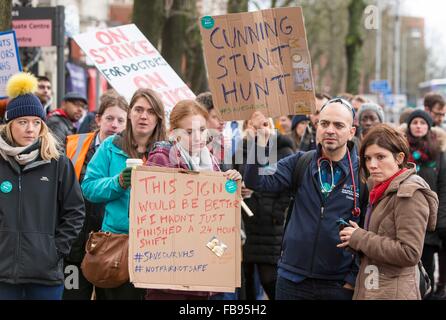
(258, 61)
(184, 230)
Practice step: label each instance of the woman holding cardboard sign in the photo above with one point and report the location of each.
(186, 149)
(107, 178)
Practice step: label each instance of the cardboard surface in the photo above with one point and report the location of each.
(176, 219)
(258, 61)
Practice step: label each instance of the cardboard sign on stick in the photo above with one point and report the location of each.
(184, 230)
(129, 61)
(258, 61)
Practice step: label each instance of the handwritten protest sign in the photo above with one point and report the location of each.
(129, 61)
(9, 59)
(258, 61)
(184, 230)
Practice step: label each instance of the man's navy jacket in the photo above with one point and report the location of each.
(310, 238)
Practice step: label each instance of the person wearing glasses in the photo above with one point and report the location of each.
(61, 121)
(44, 92)
(311, 267)
(308, 141)
(108, 180)
(401, 207)
(435, 105)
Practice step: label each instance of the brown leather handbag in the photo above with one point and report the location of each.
(106, 259)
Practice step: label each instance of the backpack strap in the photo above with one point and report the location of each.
(299, 170)
(302, 164)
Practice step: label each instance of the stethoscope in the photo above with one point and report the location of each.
(356, 210)
(324, 187)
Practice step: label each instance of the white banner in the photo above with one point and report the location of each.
(9, 59)
(129, 61)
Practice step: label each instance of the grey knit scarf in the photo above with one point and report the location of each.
(19, 154)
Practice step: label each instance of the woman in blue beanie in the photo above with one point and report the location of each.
(41, 204)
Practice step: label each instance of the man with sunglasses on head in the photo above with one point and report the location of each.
(61, 121)
(309, 138)
(325, 190)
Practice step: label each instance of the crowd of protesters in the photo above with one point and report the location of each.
(345, 191)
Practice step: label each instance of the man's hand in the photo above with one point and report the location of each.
(246, 193)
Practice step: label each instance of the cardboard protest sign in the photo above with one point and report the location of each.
(129, 61)
(258, 61)
(184, 230)
(9, 59)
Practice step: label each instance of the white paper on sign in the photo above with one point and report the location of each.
(129, 61)
(10, 60)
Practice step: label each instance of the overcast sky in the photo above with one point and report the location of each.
(434, 12)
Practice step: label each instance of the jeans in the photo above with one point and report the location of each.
(30, 292)
(312, 289)
(226, 295)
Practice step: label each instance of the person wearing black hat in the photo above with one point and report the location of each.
(61, 121)
(299, 124)
(427, 151)
(41, 206)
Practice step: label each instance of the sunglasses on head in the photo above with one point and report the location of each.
(341, 101)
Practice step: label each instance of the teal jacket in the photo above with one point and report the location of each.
(101, 185)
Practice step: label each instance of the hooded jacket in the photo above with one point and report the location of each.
(101, 185)
(311, 236)
(41, 215)
(392, 246)
(436, 179)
